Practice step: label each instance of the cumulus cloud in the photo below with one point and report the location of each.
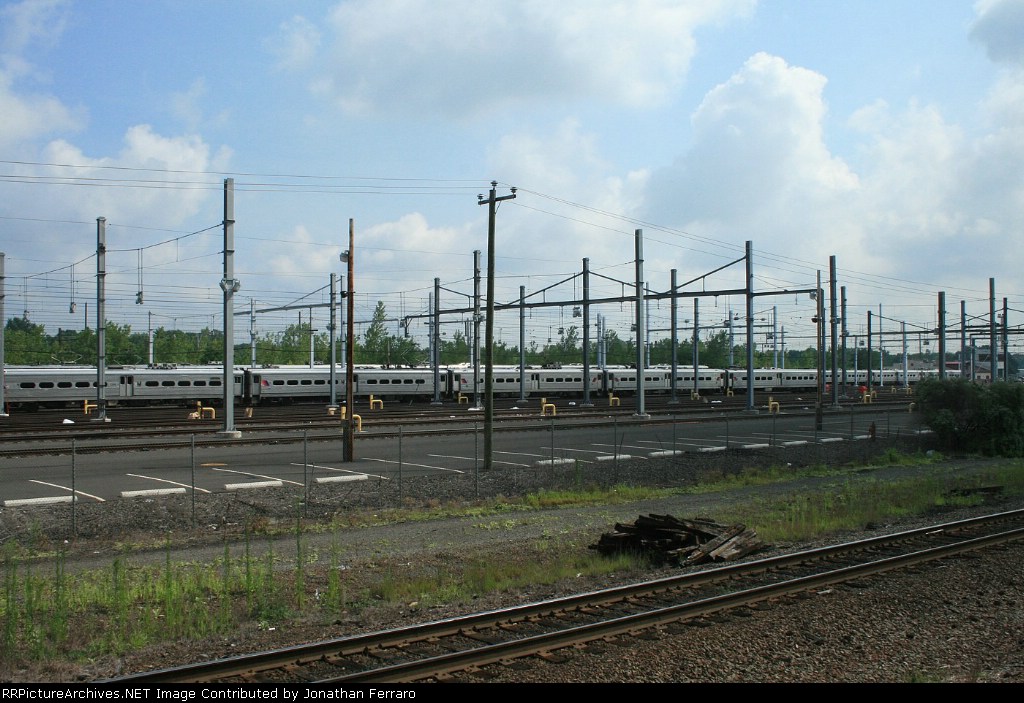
(927, 203)
(759, 167)
(143, 149)
(400, 57)
(31, 22)
(565, 164)
(296, 43)
(30, 114)
(999, 27)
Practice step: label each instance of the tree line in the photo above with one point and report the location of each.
(27, 343)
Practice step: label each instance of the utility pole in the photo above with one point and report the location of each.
(101, 323)
(435, 338)
(942, 335)
(348, 450)
(492, 208)
(332, 328)
(475, 355)
(993, 355)
(834, 323)
(639, 265)
(3, 369)
(674, 320)
(229, 284)
(820, 333)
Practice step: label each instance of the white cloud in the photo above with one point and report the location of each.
(31, 22)
(296, 43)
(759, 167)
(566, 164)
(929, 203)
(143, 149)
(188, 107)
(463, 59)
(30, 116)
(999, 26)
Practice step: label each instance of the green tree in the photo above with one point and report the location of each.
(377, 346)
(26, 343)
(972, 417)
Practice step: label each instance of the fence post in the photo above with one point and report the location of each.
(551, 432)
(74, 503)
(193, 462)
(305, 472)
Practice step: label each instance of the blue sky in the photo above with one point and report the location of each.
(889, 134)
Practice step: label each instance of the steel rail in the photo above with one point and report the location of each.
(436, 667)
(248, 666)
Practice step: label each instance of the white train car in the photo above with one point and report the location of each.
(764, 380)
(49, 387)
(185, 385)
(290, 384)
(398, 384)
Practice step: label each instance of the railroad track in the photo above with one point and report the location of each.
(437, 650)
(113, 437)
(157, 423)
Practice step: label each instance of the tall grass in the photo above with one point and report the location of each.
(126, 605)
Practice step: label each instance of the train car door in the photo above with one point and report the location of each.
(126, 387)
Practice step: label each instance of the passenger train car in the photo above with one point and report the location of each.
(66, 386)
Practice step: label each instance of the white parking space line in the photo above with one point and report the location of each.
(582, 451)
(164, 480)
(152, 492)
(622, 446)
(469, 458)
(419, 466)
(344, 471)
(51, 500)
(66, 488)
(340, 479)
(273, 483)
(249, 473)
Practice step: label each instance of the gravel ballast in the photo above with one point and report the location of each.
(961, 620)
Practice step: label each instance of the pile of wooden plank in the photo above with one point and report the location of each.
(667, 539)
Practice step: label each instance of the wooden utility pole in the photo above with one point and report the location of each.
(492, 208)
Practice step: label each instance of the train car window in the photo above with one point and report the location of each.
(167, 383)
(277, 382)
(216, 382)
(199, 383)
(420, 381)
(305, 382)
(26, 384)
(320, 382)
(46, 384)
(151, 384)
(64, 384)
(184, 383)
(292, 382)
(370, 381)
(82, 384)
